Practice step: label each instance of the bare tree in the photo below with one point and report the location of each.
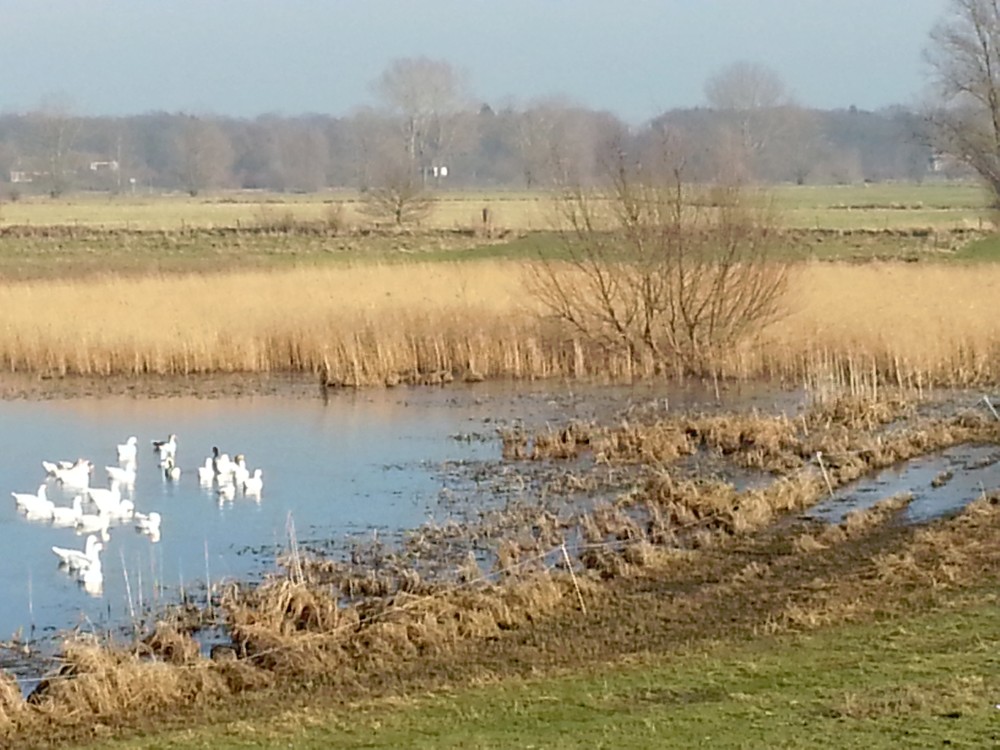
(397, 192)
(427, 95)
(744, 87)
(204, 155)
(964, 56)
(57, 129)
(663, 272)
(756, 103)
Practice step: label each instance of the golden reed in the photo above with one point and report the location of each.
(907, 324)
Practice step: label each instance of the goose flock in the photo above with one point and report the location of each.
(94, 510)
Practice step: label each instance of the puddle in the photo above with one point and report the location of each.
(941, 484)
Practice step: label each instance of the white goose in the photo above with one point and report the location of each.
(206, 473)
(166, 448)
(254, 484)
(240, 471)
(171, 470)
(76, 475)
(128, 451)
(37, 505)
(68, 516)
(93, 523)
(123, 511)
(107, 500)
(91, 578)
(75, 559)
(223, 464)
(122, 474)
(148, 523)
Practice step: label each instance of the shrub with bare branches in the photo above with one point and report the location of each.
(672, 274)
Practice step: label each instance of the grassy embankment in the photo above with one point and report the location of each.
(925, 681)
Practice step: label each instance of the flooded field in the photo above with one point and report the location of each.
(471, 528)
(351, 465)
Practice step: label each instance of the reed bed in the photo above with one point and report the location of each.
(913, 325)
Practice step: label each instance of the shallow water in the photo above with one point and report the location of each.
(973, 470)
(346, 464)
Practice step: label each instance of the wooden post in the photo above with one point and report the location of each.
(822, 468)
(576, 584)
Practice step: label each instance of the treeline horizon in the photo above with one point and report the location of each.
(53, 151)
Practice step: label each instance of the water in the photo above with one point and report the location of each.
(973, 469)
(354, 463)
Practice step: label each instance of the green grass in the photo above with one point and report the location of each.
(986, 249)
(181, 234)
(928, 681)
(942, 205)
(891, 195)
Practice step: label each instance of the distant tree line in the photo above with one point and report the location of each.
(428, 133)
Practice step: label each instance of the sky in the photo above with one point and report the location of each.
(635, 58)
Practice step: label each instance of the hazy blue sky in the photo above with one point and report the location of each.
(633, 57)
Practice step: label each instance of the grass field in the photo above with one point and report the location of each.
(924, 681)
(889, 206)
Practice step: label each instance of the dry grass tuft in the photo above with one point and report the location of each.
(953, 696)
(860, 521)
(806, 543)
(98, 681)
(168, 644)
(300, 628)
(11, 702)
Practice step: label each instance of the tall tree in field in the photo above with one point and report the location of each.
(427, 95)
(57, 128)
(204, 155)
(964, 56)
(756, 104)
